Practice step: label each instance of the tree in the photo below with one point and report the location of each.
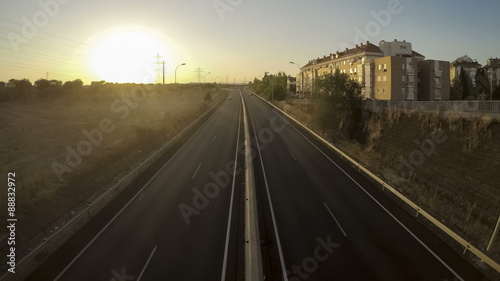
(73, 86)
(21, 88)
(339, 98)
(482, 90)
(464, 80)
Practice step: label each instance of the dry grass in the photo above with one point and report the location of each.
(35, 134)
(470, 139)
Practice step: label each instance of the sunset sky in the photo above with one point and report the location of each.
(240, 39)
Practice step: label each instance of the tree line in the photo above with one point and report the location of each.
(464, 88)
(16, 89)
(272, 86)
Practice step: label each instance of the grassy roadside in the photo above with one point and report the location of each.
(457, 178)
(96, 137)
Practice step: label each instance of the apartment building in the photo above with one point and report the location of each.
(469, 65)
(433, 80)
(387, 71)
(357, 62)
(396, 78)
(492, 68)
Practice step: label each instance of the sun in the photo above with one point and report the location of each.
(126, 56)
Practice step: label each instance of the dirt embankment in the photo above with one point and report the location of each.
(66, 148)
(447, 164)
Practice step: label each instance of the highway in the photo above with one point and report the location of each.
(319, 219)
(182, 224)
(322, 221)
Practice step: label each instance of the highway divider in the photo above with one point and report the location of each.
(253, 255)
(44, 250)
(467, 246)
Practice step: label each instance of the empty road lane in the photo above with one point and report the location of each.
(182, 225)
(322, 221)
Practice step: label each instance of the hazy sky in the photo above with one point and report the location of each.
(239, 39)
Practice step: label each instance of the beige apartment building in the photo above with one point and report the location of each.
(386, 72)
(357, 62)
(469, 65)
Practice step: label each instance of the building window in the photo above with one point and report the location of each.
(404, 79)
(379, 78)
(379, 67)
(403, 91)
(385, 66)
(384, 78)
(403, 66)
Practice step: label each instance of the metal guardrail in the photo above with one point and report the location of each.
(467, 246)
(37, 256)
(253, 256)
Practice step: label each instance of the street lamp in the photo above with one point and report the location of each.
(176, 71)
(204, 81)
(490, 72)
(301, 78)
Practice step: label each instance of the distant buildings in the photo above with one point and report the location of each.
(386, 72)
(492, 68)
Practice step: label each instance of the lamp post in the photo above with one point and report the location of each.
(176, 71)
(301, 77)
(204, 78)
(490, 72)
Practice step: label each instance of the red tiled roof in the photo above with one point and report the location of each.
(363, 48)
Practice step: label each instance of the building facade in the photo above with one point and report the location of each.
(433, 80)
(386, 72)
(469, 65)
(492, 68)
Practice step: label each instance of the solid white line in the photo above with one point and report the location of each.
(292, 155)
(226, 247)
(146, 265)
(385, 209)
(214, 138)
(130, 201)
(196, 172)
(335, 220)
(278, 241)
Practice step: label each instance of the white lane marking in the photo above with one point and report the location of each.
(292, 155)
(146, 265)
(345, 234)
(278, 241)
(214, 138)
(131, 200)
(196, 172)
(226, 247)
(383, 208)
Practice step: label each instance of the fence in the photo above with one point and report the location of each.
(438, 106)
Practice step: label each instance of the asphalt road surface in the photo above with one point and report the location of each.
(322, 221)
(182, 224)
(319, 219)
